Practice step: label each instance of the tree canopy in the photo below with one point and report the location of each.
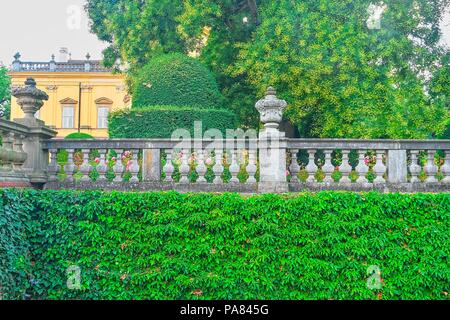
(341, 76)
(176, 80)
(5, 95)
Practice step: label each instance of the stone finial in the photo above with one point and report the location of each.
(53, 58)
(16, 64)
(87, 63)
(29, 98)
(271, 109)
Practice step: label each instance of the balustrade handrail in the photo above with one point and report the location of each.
(142, 143)
(299, 143)
(370, 144)
(14, 127)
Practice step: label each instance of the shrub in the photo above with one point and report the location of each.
(162, 121)
(178, 80)
(14, 244)
(225, 246)
(78, 136)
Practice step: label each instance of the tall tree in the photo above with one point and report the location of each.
(136, 30)
(342, 76)
(5, 95)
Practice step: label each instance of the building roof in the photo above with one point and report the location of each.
(86, 65)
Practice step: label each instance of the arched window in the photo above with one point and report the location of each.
(103, 108)
(68, 107)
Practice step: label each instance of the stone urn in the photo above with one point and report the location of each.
(271, 109)
(30, 99)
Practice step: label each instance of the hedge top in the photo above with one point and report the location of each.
(177, 80)
(78, 135)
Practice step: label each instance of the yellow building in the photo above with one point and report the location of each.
(71, 84)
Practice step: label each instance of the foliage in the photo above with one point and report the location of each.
(15, 221)
(135, 30)
(340, 77)
(78, 136)
(343, 79)
(5, 95)
(162, 121)
(440, 90)
(176, 80)
(212, 246)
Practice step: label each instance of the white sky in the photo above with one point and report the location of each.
(38, 28)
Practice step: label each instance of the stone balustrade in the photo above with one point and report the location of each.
(235, 165)
(157, 164)
(393, 165)
(270, 162)
(12, 155)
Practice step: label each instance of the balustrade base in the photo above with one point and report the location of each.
(250, 188)
(13, 179)
(365, 187)
(154, 186)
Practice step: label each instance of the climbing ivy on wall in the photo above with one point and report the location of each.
(226, 246)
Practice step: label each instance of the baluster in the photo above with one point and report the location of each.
(431, 169)
(168, 168)
(294, 168)
(134, 167)
(311, 168)
(85, 168)
(234, 167)
(201, 167)
(446, 168)
(184, 168)
(53, 167)
(379, 168)
(345, 168)
(251, 167)
(69, 168)
(102, 167)
(21, 156)
(362, 169)
(118, 166)
(328, 167)
(8, 147)
(414, 168)
(218, 166)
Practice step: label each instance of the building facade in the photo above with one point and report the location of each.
(81, 93)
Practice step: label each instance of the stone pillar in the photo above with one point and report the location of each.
(272, 145)
(151, 165)
(397, 166)
(30, 99)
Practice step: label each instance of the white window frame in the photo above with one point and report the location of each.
(71, 120)
(102, 121)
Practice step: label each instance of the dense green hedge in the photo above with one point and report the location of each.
(176, 79)
(162, 121)
(207, 246)
(15, 225)
(78, 135)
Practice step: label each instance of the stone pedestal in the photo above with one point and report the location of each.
(31, 100)
(397, 166)
(151, 165)
(37, 160)
(272, 162)
(272, 145)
